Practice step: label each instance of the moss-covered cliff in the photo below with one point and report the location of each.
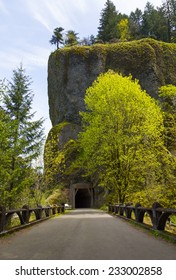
(72, 70)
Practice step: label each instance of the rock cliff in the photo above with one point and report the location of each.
(72, 70)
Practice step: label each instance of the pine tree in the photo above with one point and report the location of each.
(71, 38)
(170, 13)
(154, 23)
(135, 23)
(108, 23)
(57, 37)
(25, 136)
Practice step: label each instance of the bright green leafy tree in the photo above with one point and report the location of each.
(123, 27)
(23, 141)
(121, 142)
(168, 104)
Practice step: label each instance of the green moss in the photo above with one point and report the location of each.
(55, 131)
(133, 57)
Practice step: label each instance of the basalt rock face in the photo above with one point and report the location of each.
(72, 70)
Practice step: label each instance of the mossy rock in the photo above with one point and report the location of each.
(72, 70)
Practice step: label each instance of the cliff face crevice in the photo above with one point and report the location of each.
(72, 70)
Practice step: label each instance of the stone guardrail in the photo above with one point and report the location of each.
(158, 215)
(24, 214)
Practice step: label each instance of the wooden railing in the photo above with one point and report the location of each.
(157, 214)
(24, 216)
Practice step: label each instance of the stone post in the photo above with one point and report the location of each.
(25, 214)
(156, 215)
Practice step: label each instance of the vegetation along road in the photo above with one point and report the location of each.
(84, 234)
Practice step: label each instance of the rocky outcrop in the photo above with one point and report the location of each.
(72, 70)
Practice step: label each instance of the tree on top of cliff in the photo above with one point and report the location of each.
(57, 37)
(154, 23)
(135, 23)
(71, 38)
(169, 7)
(108, 22)
(123, 27)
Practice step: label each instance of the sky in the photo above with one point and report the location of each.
(26, 26)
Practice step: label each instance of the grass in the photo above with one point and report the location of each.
(169, 234)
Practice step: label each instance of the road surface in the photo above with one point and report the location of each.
(85, 234)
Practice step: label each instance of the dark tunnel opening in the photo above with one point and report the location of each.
(83, 199)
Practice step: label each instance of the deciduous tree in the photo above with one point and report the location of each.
(122, 135)
(123, 27)
(168, 104)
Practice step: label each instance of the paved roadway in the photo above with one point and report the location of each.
(85, 234)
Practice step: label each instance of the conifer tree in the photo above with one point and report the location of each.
(71, 38)
(57, 37)
(108, 22)
(25, 136)
(170, 13)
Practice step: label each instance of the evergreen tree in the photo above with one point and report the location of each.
(135, 24)
(108, 23)
(25, 137)
(4, 154)
(170, 12)
(154, 23)
(57, 37)
(71, 38)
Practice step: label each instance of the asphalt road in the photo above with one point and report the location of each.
(85, 234)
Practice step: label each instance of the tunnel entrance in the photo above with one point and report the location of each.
(81, 195)
(83, 199)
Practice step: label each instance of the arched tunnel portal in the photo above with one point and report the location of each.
(82, 195)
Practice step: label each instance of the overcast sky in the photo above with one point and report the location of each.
(26, 27)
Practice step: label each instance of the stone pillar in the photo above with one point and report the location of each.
(25, 214)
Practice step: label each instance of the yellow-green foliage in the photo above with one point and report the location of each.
(50, 154)
(167, 96)
(58, 196)
(139, 58)
(58, 157)
(123, 27)
(122, 136)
